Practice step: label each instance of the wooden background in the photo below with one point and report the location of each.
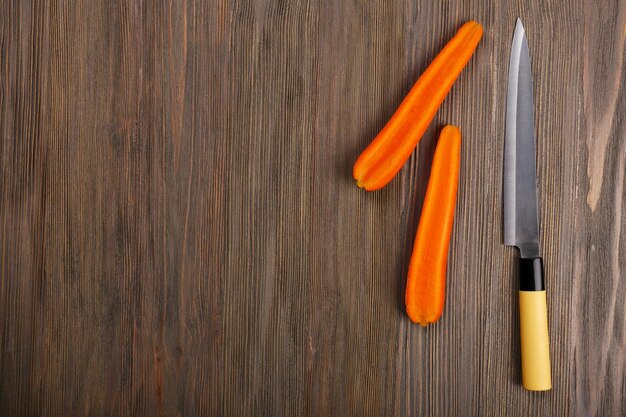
(180, 234)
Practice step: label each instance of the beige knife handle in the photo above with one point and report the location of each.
(535, 341)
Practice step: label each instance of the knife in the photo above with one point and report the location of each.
(521, 219)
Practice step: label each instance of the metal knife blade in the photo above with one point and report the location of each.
(521, 220)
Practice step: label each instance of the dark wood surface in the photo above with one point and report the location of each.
(180, 234)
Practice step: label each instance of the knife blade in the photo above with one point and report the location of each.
(521, 218)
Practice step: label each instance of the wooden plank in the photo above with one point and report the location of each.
(180, 233)
(598, 329)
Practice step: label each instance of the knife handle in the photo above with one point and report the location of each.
(534, 326)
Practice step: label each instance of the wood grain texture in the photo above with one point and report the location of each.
(180, 234)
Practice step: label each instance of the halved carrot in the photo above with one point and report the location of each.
(384, 157)
(426, 281)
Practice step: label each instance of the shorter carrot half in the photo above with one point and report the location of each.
(426, 281)
(390, 149)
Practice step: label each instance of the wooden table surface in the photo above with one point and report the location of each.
(180, 234)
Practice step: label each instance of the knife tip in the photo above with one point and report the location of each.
(519, 32)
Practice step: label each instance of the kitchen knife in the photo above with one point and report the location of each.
(521, 219)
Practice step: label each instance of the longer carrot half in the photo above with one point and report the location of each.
(384, 157)
(426, 282)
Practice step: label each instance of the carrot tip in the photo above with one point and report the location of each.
(360, 184)
(420, 316)
(421, 321)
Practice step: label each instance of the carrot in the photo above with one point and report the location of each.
(426, 282)
(391, 148)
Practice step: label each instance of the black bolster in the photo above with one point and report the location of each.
(531, 275)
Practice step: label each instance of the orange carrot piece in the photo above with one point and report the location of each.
(426, 282)
(391, 148)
